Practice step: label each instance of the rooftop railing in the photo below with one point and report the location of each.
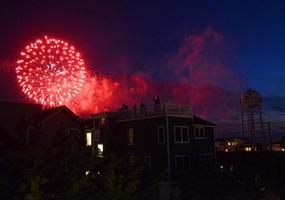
(152, 110)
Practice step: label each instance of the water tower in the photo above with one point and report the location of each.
(251, 115)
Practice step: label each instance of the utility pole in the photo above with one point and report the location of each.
(269, 135)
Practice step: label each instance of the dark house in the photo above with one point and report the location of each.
(28, 125)
(169, 138)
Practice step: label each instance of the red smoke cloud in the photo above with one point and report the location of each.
(203, 80)
(104, 94)
(196, 76)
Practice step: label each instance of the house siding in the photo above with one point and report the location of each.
(57, 127)
(146, 141)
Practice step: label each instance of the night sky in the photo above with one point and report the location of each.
(146, 33)
(120, 38)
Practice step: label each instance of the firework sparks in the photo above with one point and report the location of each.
(51, 72)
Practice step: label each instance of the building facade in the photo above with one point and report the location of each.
(169, 138)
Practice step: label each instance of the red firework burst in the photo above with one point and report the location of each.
(50, 72)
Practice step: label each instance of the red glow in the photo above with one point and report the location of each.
(104, 94)
(195, 76)
(50, 72)
(204, 80)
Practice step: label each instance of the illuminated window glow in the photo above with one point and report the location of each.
(100, 149)
(88, 139)
(247, 148)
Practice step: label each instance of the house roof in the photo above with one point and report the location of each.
(198, 120)
(44, 115)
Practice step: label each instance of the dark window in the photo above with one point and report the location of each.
(199, 133)
(130, 136)
(184, 134)
(30, 135)
(177, 134)
(147, 162)
(179, 163)
(160, 135)
(97, 135)
(186, 163)
(182, 163)
(202, 132)
(181, 134)
(204, 159)
(96, 123)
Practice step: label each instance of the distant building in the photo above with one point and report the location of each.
(277, 147)
(231, 144)
(170, 139)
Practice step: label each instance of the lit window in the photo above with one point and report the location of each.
(226, 150)
(182, 163)
(229, 144)
(88, 139)
(87, 172)
(247, 148)
(282, 149)
(181, 134)
(130, 136)
(100, 150)
(199, 133)
(160, 135)
(147, 162)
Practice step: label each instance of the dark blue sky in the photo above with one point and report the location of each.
(147, 33)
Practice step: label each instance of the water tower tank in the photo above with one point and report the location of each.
(250, 107)
(250, 99)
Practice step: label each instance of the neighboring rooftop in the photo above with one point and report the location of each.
(46, 113)
(198, 120)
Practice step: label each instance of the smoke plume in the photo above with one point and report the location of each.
(196, 75)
